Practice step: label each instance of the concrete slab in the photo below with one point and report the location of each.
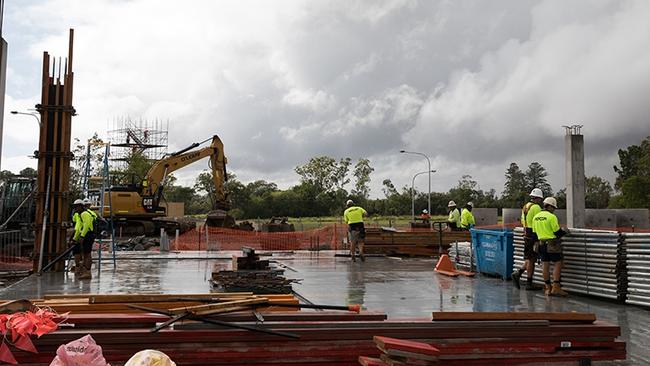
(400, 287)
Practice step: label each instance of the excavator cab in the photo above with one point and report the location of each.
(139, 206)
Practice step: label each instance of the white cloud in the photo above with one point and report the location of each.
(317, 101)
(473, 84)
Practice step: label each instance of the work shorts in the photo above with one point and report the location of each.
(529, 249)
(86, 244)
(550, 252)
(357, 233)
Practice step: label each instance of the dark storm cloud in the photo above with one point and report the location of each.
(474, 84)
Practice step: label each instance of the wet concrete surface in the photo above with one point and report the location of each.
(403, 288)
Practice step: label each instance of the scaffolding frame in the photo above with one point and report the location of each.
(127, 135)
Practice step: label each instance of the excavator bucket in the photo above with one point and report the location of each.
(220, 218)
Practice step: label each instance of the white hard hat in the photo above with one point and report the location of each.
(425, 211)
(87, 201)
(536, 192)
(78, 202)
(150, 357)
(451, 204)
(349, 202)
(550, 201)
(470, 204)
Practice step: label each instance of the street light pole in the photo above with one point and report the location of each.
(413, 193)
(429, 171)
(38, 119)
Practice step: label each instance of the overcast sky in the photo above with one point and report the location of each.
(473, 84)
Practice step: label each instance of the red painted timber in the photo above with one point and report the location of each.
(386, 343)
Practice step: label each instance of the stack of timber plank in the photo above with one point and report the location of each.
(119, 303)
(328, 338)
(250, 273)
(266, 281)
(504, 339)
(413, 243)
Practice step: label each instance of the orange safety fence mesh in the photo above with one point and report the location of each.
(11, 253)
(330, 237)
(327, 237)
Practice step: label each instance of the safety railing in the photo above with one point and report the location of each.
(10, 251)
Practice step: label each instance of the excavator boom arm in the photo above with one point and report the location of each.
(153, 183)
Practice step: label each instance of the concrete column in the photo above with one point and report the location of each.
(575, 177)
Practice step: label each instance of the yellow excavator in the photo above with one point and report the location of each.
(136, 209)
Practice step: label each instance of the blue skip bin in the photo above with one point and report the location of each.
(494, 251)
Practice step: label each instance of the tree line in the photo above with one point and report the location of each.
(325, 183)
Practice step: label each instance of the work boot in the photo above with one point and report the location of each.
(547, 290)
(516, 276)
(88, 262)
(556, 290)
(86, 275)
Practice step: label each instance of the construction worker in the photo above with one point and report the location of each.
(466, 217)
(424, 216)
(453, 221)
(548, 232)
(528, 212)
(353, 217)
(83, 239)
(87, 205)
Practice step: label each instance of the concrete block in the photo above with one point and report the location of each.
(600, 218)
(511, 216)
(637, 217)
(485, 216)
(561, 216)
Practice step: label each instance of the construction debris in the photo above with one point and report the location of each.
(138, 243)
(277, 225)
(250, 273)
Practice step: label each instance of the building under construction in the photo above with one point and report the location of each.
(129, 136)
(218, 296)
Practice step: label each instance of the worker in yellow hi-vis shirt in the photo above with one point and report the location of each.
(548, 232)
(466, 217)
(453, 221)
(528, 212)
(353, 217)
(84, 237)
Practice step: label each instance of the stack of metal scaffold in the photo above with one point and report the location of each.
(594, 262)
(638, 266)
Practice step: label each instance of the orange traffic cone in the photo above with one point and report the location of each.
(446, 267)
